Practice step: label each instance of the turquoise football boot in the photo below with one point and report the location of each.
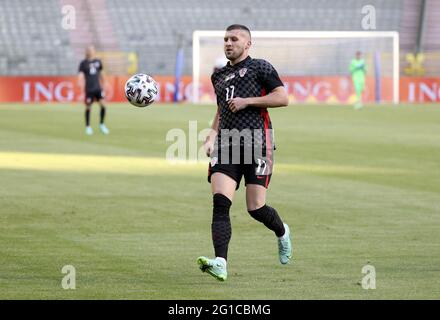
(285, 246)
(104, 129)
(215, 267)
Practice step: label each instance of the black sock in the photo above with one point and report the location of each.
(221, 225)
(87, 117)
(102, 114)
(270, 218)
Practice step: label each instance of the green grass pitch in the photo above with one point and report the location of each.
(356, 187)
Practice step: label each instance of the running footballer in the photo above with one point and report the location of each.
(241, 146)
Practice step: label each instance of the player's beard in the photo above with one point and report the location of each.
(233, 55)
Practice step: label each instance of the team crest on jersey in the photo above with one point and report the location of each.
(242, 72)
(229, 77)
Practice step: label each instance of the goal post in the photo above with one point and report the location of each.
(314, 65)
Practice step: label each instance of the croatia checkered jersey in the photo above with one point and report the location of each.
(248, 78)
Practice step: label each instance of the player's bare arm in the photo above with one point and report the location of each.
(81, 80)
(210, 138)
(276, 98)
(102, 80)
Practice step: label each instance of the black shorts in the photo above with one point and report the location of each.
(93, 96)
(258, 172)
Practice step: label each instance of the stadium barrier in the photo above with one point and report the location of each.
(300, 89)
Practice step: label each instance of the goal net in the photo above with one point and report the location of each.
(314, 65)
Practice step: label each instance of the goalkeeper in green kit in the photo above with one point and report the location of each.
(358, 71)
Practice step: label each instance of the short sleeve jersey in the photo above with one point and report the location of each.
(248, 78)
(91, 70)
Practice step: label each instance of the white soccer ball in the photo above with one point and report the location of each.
(141, 90)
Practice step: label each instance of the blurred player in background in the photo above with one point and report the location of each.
(358, 71)
(91, 79)
(245, 88)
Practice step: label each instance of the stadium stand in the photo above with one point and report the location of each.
(165, 23)
(33, 42)
(430, 41)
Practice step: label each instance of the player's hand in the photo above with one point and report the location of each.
(237, 104)
(209, 146)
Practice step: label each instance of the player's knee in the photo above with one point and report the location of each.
(258, 213)
(221, 206)
(254, 204)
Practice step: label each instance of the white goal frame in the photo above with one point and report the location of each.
(394, 35)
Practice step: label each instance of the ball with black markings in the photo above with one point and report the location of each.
(141, 90)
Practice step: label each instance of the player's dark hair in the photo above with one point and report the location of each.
(238, 27)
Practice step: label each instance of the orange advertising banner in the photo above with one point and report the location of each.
(419, 90)
(300, 89)
(65, 89)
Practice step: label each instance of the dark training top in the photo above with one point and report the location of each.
(248, 78)
(91, 70)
